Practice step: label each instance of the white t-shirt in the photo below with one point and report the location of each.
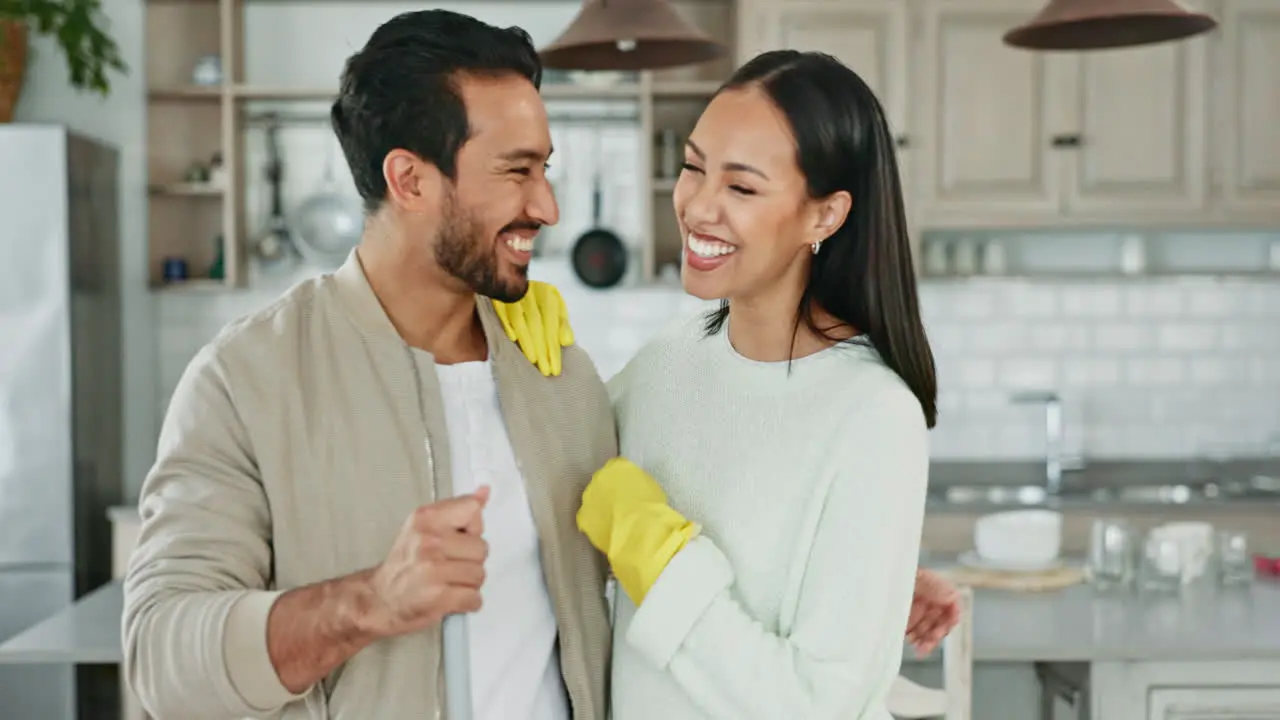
(515, 666)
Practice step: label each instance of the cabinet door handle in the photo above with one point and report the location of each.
(1066, 141)
(902, 141)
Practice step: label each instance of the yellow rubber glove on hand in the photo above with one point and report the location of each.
(626, 516)
(539, 323)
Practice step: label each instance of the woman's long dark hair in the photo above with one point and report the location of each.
(863, 274)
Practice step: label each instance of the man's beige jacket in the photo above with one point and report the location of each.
(295, 445)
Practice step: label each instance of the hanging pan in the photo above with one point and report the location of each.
(599, 255)
(329, 222)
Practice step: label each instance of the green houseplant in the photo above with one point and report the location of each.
(76, 27)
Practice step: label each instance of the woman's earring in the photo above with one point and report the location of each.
(817, 246)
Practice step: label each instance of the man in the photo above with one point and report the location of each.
(282, 568)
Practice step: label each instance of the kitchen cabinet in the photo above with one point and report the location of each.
(986, 115)
(1180, 134)
(1063, 693)
(871, 36)
(1244, 689)
(1214, 703)
(1023, 138)
(1137, 139)
(1248, 127)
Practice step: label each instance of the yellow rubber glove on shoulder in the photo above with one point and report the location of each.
(626, 516)
(539, 324)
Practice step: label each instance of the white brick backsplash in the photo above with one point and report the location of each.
(1091, 300)
(1214, 302)
(945, 340)
(1265, 300)
(1153, 301)
(1028, 374)
(973, 303)
(1154, 367)
(972, 373)
(949, 402)
(1252, 336)
(1024, 300)
(1122, 337)
(1211, 370)
(1125, 405)
(998, 338)
(1154, 371)
(1187, 336)
(1090, 372)
(1057, 336)
(990, 402)
(1265, 371)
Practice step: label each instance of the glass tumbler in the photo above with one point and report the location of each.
(1161, 567)
(1235, 565)
(1111, 553)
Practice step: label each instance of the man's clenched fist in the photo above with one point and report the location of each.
(435, 567)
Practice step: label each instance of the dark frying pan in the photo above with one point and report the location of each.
(599, 257)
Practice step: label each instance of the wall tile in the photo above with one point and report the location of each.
(1166, 367)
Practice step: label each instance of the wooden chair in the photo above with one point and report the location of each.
(909, 700)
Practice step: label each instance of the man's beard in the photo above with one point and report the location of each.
(462, 252)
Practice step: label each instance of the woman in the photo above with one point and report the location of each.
(765, 522)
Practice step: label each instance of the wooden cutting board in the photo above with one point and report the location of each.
(1040, 581)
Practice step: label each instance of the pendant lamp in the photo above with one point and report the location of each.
(629, 35)
(1102, 24)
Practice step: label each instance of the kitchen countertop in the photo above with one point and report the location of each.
(1078, 624)
(86, 633)
(1071, 625)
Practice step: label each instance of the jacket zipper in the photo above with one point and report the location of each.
(431, 498)
(431, 472)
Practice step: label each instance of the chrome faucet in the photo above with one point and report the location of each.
(1053, 463)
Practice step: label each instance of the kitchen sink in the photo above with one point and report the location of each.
(993, 494)
(1159, 494)
(1259, 487)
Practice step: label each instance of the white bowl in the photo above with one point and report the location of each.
(1194, 540)
(1019, 537)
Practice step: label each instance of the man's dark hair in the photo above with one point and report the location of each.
(400, 90)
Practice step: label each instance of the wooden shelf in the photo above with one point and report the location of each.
(685, 88)
(550, 92)
(255, 92)
(194, 285)
(187, 190)
(195, 223)
(189, 123)
(181, 93)
(591, 92)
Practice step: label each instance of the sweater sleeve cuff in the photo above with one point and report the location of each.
(245, 653)
(683, 592)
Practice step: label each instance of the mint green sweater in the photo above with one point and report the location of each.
(810, 486)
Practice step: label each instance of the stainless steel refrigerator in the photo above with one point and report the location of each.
(60, 398)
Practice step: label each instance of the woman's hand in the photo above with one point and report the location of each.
(935, 610)
(626, 516)
(539, 324)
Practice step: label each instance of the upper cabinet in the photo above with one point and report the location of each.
(873, 37)
(1247, 130)
(1181, 133)
(1027, 138)
(986, 115)
(870, 36)
(1138, 132)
